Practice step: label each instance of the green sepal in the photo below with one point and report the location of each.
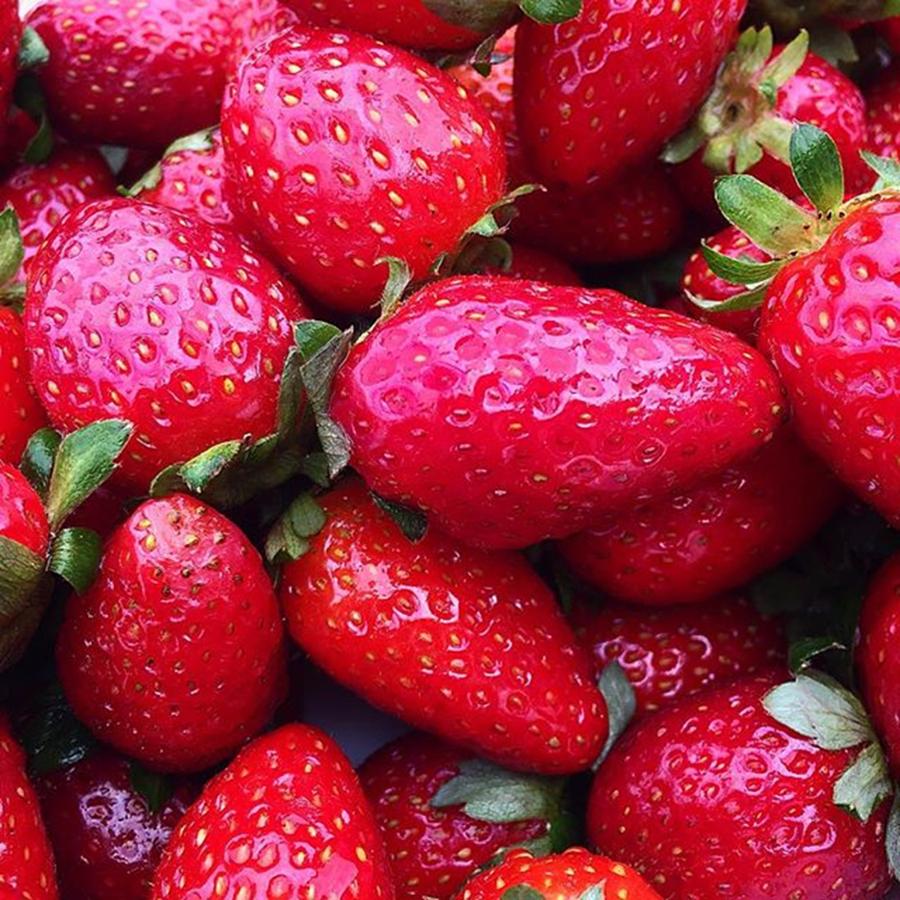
(75, 556)
(411, 522)
(683, 146)
(550, 12)
(397, 284)
(888, 170)
(482, 59)
(40, 147)
(154, 788)
(892, 836)
(801, 653)
(739, 270)
(817, 168)
(479, 16)
(522, 892)
(29, 96)
(289, 537)
(12, 251)
(37, 461)
(865, 785)
(778, 71)
(772, 134)
(738, 303)
(621, 704)
(21, 570)
(315, 468)
(32, 50)
(830, 42)
(199, 140)
(594, 892)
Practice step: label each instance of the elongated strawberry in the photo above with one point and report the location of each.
(604, 92)
(175, 654)
(718, 536)
(185, 332)
(20, 412)
(465, 644)
(267, 826)
(513, 411)
(10, 33)
(344, 151)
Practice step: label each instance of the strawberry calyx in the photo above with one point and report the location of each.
(621, 705)
(12, 254)
(29, 96)
(527, 892)
(198, 141)
(491, 16)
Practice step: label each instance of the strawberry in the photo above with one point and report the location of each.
(175, 654)
(344, 152)
(719, 796)
(10, 33)
(107, 837)
(718, 536)
(267, 826)
(883, 109)
(531, 264)
(603, 93)
(672, 653)
(133, 73)
(20, 412)
(254, 21)
(513, 411)
(442, 818)
(468, 645)
(185, 335)
(573, 875)
(22, 515)
(26, 860)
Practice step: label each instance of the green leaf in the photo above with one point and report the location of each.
(12, 251)
(398, 281)
(738, 303)
(411, 522)
(32, 50)
(753, 49)
(168, 481)
(833, 44)
(739, 270)
(84, 460)
(315, 468)
(290, 395)
(892, 837)
(198, 473)
(785, 65)
(312, 335)
(773, 134)
(155, 788)
(804, 651)
(480, 16)
(522, 892)
(816, 165)
(305, 515)
(21, 570)
(75, 556)
(595, 892)
(37, 461)
(621, 704)
(682, 147)
(865, 785)
(551, 12)
(51, 735)
(289, 537)
(888, 170)
(200, 141)
(40, 147)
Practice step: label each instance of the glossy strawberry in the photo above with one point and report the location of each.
(26, 860)
(10, 31)
(175, 654)
(465, 644)
(106, 839)
(344, 151)
(267, 826)
(718, 536)
(22, 516)
(531, 264)
(255, 21)
(883, 110)
(133, 73)
(603, 93)
(512, 411)
(672, 653)
(140, 312)
(20, 412)
(567, 876)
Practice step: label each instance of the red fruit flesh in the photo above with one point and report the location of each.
(513, 411)
(432, 850)
(139, 312)
(714, 798)
(718, 536)
(106, 840)
(267, 827)
(175, 654)
(20, 412)
(385, 156)
(10, 31)
(22, 516)
(468, 645)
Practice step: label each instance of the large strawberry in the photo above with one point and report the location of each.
(465, 644)
(140, 312)
(739, 792)
(513, 411)
(20, 412)
(695, 544)
(603, 93)
(345, 151)
(26, 860)
(10, 33)
(286, 818)
(175, 655)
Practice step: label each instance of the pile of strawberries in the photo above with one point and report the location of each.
(529, 367)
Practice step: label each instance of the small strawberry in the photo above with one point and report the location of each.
(512, 411)
(108, 836)
(344, 152)
(530, 264)
(20, 412)
(10, 34)
(465, 644)
(26, 860)
(603, 93)
(286, 818)
(754, 790)
(444, 814)
(573, 875)
(883, 110)
(672, 653)
(698, 543)
(175, 654)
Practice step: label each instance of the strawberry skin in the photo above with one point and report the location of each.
(255, 21)
(344, 151)
(22, 516)
(566, 876)
(106, 840)
(718, 536)
(175, 655)
(461, 643)
(10, 29)
(883, 110)
(605, 91)
(185, 333)
(712, 797)
(20, 412)
(672, 653)
(512, 411)
(531, 264)
(286, 818)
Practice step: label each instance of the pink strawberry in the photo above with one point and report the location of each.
(344, 152)
(20, 412)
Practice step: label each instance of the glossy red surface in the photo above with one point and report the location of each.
(20, 412)
(9, 48)
(22, 516)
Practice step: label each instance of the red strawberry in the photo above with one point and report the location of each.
(572, 875)
(720, 535)
(345, 151)
(106, 838)
(255, 21)
(22, 516)
(133, 73)
(604, 92)
(513, 411)
(20, 412)
(185, 333)
(10, 33)
(175, 655)
(465, 644)
(883, 109)
(287, 818)
(531, 264)
(671, 653)
(438, 811)
(26, 861)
